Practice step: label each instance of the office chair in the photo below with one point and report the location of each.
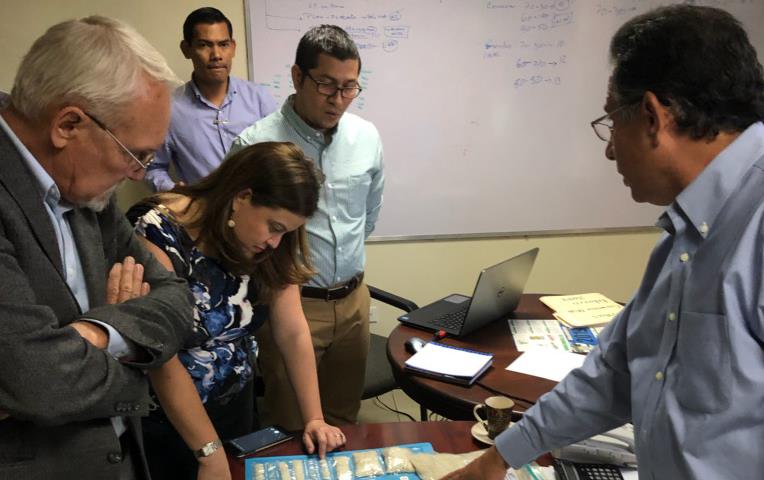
(379, 375)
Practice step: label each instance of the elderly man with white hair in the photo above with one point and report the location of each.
(84, 309)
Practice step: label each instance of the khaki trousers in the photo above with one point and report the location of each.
(340, 333)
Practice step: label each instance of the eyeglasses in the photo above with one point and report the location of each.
(603, 126)
(142, 159)
(329, 89)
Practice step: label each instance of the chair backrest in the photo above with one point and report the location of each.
(379, 376)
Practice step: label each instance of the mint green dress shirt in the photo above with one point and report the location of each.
(351, 195)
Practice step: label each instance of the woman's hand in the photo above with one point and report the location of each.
(214, 467)
(320, 434)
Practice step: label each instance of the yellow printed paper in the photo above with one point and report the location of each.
(582, 310)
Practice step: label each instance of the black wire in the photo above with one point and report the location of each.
(378, 401)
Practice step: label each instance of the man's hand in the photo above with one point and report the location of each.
(489, 466)
(4, 415)
(92, 332)
(125, 282)
(320, 434)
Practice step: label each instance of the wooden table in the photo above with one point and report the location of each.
(455, 401)
(445, 437)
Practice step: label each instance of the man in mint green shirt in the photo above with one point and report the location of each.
(349, 152)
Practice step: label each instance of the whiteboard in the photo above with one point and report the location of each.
(483, 106)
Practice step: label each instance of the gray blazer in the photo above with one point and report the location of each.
(59, 390)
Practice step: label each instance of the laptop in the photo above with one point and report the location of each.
(497, 293)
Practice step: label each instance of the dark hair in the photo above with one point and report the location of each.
(328, 39)
(696, 60)
(208, 15)
(279, 176)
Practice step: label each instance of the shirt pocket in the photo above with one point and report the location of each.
(704, 376)
(354, 194)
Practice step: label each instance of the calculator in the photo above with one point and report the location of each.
(566, 470)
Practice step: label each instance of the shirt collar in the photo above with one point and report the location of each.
(233, 89)
(666, 222)
(705, 196)
(303, 129)
(48, 188)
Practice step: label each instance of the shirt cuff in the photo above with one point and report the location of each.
(118, 347)
(514, 446)
(159, 181)
(164, 184)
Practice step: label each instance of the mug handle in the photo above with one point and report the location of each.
(477, 417)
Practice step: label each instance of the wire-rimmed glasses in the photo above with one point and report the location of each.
(145, 159)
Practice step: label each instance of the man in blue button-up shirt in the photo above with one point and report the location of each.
(348, 150)
(209, 110)
(684, 360)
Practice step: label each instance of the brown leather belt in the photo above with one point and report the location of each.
(336, 292)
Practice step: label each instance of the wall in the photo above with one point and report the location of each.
(160, 22)
(494, 156)
(611, 263)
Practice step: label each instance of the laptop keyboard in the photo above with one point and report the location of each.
(451, 321)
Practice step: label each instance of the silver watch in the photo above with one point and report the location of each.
(208, 449)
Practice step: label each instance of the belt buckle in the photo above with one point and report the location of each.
(331, 291)
(349, 286)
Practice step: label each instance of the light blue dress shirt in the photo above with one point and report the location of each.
(201, 133)
(351, 196)
(57, 209)
(684, 360)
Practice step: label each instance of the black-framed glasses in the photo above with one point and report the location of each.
(142, 159)
(330, 89)
(603, 126)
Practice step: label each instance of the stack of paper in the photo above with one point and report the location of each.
(584, 310)
(450, 364)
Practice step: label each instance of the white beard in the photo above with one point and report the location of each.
(100, 202)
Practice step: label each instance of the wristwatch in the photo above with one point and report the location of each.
(208, 449)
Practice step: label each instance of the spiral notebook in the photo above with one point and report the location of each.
(449, 363)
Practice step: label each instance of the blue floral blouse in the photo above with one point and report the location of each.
(221, 350)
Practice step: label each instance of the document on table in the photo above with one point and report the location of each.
(538, 333)
(547, 363)
(583, 310)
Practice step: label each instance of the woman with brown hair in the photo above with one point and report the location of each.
(238, 238)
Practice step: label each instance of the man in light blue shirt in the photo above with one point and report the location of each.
(349, 152)
(684, 360)
(211, 109)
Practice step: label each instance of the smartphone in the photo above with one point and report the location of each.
(257, 441)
